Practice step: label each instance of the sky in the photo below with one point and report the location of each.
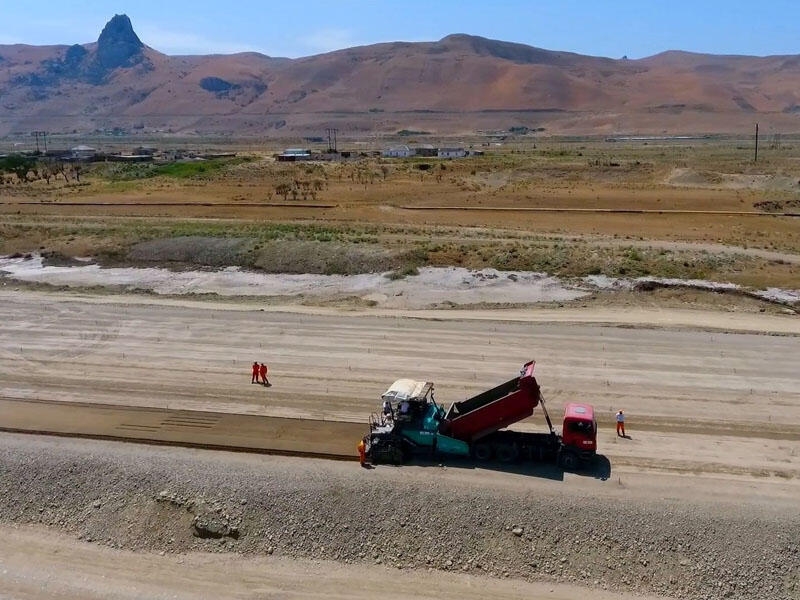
(293, 28)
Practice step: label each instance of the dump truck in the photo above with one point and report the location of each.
(411, 422)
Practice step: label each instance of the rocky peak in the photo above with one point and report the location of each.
(118, 45)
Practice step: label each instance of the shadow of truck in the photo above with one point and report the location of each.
(598, 468)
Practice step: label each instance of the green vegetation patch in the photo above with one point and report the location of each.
(195, 169)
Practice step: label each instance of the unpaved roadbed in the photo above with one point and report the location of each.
(580, 530)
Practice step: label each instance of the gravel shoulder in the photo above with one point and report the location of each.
(39, 564)
(175, 501)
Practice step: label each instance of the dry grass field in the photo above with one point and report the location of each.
(695, 209)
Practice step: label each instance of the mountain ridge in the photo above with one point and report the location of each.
(120, 82)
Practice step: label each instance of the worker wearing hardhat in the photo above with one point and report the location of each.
(621, 423)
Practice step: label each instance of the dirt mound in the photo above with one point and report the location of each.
(53, 258)
(779, 205)
(692, 178)
(329, 258)
(277, 256)
(173, 500)
(191, 250)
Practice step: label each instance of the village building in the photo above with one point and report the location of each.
(398, 152)
(426, 150)
(451, 153)
(82, 152)
(294, 154)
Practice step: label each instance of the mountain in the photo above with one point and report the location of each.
(459, 84)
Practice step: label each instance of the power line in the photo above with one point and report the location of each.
(37, 135)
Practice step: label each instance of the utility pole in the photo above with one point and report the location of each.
(37, 135)
(756, 157)
(331, 139)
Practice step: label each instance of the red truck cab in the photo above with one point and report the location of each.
(579, 432)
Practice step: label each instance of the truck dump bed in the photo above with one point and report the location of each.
(494, 409)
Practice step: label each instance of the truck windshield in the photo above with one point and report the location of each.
(582, 427)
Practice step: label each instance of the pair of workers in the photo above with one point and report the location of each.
(260, 372)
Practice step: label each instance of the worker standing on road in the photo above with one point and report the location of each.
(362, 452)
(621, 424)
(254, 378)
(263, 372)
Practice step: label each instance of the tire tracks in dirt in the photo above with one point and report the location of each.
(761, 430)
(700, 468)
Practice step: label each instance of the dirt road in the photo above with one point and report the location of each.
(698, 401)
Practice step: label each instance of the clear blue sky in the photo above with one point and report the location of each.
(303, 27)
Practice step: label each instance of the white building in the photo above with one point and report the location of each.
(398, 152)
(295, 154)
(451, 153)
(83, 152)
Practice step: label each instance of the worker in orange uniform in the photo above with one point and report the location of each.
(621, 424)
(362, 452)
(254, 378)
(262, 370)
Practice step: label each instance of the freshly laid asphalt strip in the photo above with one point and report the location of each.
(197, 429)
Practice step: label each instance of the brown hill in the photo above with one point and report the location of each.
(459, 84)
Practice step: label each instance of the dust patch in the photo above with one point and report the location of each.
(693, 178)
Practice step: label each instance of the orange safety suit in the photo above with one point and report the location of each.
(263, 371)
(254, 378)
(362, 452)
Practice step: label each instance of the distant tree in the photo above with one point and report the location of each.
(61, 169)
(19, 165)
(283, 189)
(45, 171)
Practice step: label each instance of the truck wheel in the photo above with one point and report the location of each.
(568, 460)
(482, 452)
(506, 453)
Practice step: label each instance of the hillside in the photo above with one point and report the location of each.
(458, 84)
